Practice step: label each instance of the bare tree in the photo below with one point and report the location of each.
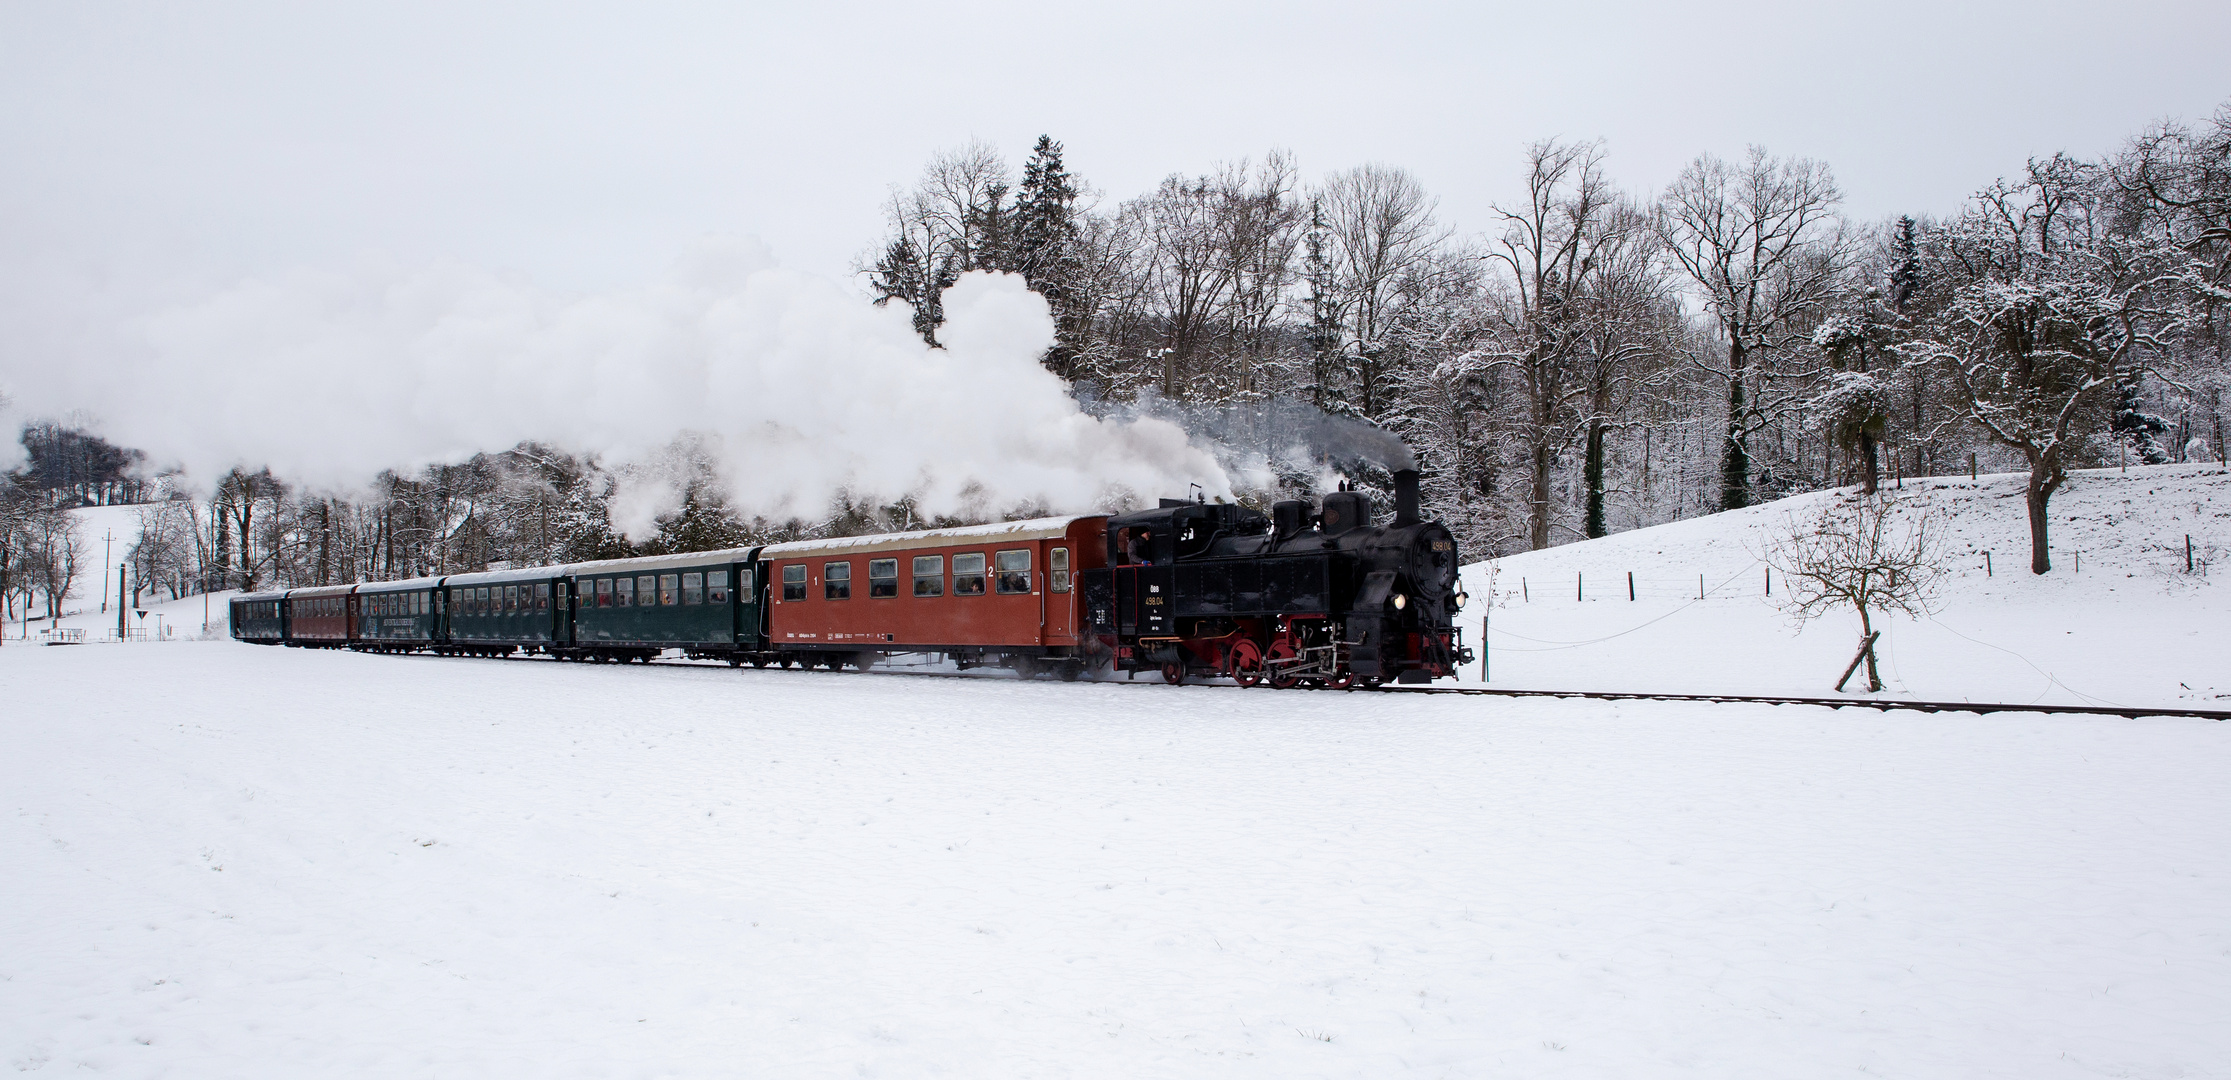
(53, 553)
(2053, 307)
(1763, 245)
(1866, 553)
(1378, 224)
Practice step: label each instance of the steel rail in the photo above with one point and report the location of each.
(1878, 704)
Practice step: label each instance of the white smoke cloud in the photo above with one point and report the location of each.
(795, 386)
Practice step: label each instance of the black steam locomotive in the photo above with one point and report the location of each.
(1297, 598)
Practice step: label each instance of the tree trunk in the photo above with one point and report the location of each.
(1870, 471)
(1866, 631)
(1735, 455)
(1537, 499)
(1594, 470)
(2042, 482)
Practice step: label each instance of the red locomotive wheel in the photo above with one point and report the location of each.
(1281, 652)
(1246, 662)
(1341, 681)
(1173, 673)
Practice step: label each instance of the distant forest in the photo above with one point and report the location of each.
(1595, 359)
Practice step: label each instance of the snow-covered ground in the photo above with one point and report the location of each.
(2118, 621)
(225, 860)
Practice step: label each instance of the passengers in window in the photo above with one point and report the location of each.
(646, 590)
(836, 581)
(929, 575)
(511, 598)
(1014, 571)
(623, 592)
(968, 574)
(604, 592)
(669, 589)
(542, 598)
(716, 586)
(883, 577)
(794, 582)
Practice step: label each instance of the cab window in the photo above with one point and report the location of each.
(794, 581)
(836, 581)
(716, 586)
(1013, 568)
(883, 577)
(693, 588)
(929, 575)
(968, 574)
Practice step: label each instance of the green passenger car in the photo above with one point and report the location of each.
(704, 603)
(505, 611)
(399, 616)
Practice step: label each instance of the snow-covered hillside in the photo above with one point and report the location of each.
(226, 860)
(2118, 621)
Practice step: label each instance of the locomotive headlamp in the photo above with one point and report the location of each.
(1461, 597)
(1401, 601)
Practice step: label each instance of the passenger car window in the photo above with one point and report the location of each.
(1014, 571)
(883, 577)
(929, 575)
(743, 583)
(604, 592)
(670, 589)
(1058, 579)
(542, 598)
(836, 581)
(646, 590)
(968, 574)
(693, 588)
(794, 582)
(623, 592)
(511, 598)
(716, 586)
(482, 601)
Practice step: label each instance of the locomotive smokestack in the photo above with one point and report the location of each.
(1405, 497)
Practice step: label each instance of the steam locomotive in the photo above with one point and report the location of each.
(1297, 598)
(1301, 597)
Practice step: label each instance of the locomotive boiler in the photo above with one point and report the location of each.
(1306, 596)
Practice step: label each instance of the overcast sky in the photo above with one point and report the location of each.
(153, 151)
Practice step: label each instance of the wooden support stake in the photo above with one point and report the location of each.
(1700, 586)
(1580, 591)
(1522, 593)
(2188, 553)
(1865, 647)
(1484, 616)
(1630, 586)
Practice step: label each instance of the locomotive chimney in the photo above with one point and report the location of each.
(1405, 497)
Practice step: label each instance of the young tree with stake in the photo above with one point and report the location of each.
(1863, 554)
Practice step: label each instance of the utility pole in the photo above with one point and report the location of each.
(107, 538)
(119, 601)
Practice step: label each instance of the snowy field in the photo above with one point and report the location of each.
(2117, 622)
(225, 860)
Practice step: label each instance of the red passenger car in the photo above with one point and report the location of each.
(321, 618)
(990, 595)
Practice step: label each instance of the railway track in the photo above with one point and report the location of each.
(1877, 704)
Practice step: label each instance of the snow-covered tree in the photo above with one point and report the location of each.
(1766, 251)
